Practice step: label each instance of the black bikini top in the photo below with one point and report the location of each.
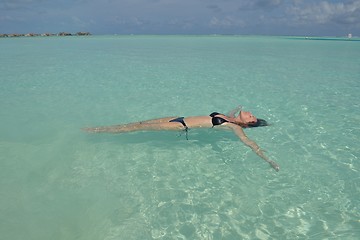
(217, 120)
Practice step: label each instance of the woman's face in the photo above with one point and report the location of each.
(247, 117)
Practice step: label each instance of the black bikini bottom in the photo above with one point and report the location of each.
(181, 120)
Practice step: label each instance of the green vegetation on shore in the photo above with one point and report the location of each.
(45, 34)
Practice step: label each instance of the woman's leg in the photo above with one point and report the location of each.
(158, 120)
(154, 124)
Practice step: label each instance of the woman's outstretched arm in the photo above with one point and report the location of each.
(248, 142)
(234, 111)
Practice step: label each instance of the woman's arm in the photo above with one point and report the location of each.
(234, 111)
(248, 142)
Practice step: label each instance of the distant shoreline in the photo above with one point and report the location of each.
(44, 34)
(325, 38)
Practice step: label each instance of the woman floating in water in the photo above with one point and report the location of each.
(230, 121)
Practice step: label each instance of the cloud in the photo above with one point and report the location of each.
(326, 12)
(133, 21)
(267, 3)
(214, 8)
(33, 5)
(226, 22)
(183, 16)
(21, 4)
(82, 23)
(261, 5)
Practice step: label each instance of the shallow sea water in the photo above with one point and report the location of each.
(57, 182)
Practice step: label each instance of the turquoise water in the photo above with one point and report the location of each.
(57, 182)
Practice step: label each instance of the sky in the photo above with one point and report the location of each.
(240, 17)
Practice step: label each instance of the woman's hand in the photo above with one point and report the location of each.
(274, 165)
(234, 111)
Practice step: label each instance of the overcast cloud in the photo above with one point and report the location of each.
(269, 17)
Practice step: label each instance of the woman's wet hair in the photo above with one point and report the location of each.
(259, 123)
